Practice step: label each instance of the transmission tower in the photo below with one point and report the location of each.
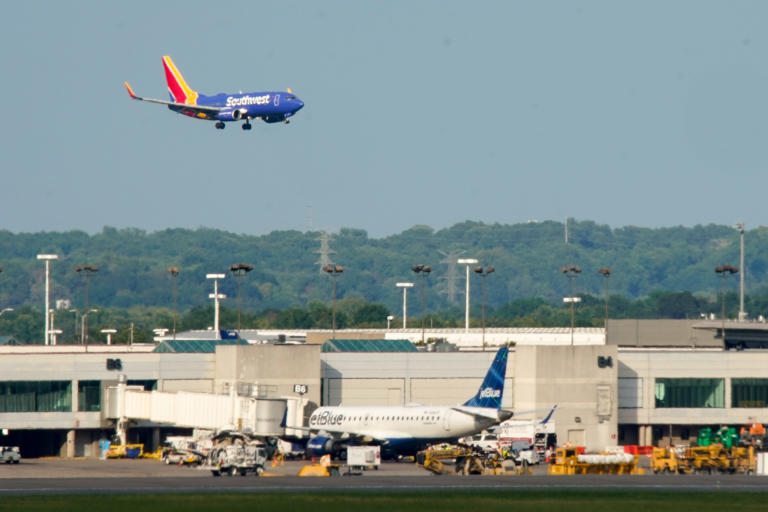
(324, 251)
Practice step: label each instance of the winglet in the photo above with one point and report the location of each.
(130, 91)
(546, 419)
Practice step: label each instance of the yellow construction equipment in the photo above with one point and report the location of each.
(665, 460)
(465, 461)
(568, 461)
(715, 457)
(704, 459)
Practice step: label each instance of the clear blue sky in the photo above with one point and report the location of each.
(431, 112)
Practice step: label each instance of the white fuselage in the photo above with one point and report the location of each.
(394, 423)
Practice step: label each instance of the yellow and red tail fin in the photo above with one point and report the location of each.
(180, 91)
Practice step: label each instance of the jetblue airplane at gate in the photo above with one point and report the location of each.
(270, 106)
(404, 430)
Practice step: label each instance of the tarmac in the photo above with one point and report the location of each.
(126, 476)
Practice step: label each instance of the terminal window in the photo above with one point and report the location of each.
(89, 395)
(749, 393)
(690, 393)
(36, 396)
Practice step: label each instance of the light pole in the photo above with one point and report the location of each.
(424, 270)
(216, 296)
(74, 329)
(405, 287)
(570, 272)
(86, 271)
(724, 270)
(606, 273)
(84, 323)
(174, 273)
(109, 333)
(333, 271)
(53, 330)
(742, 313)
(467, 262)
(47, 258)
(239, 270)
(483, 272)
(389, 320)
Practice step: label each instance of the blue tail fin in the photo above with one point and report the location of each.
(492, 388)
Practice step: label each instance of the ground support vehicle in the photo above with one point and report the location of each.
(10, 454)
(235, 453)
(716, 457)
(127, 451)
(568, 461)
(319, 470)
(666, 460)
(181, 457)
(464, 460)
(363, 457)
(487, 443)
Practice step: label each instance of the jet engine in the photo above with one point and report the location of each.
(320, 445)
(238, 114)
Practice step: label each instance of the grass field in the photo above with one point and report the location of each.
(468, 501)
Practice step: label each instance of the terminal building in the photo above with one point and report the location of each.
(639, 382)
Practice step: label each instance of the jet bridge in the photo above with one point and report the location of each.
(261, 416)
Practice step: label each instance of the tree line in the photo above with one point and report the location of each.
(138, 324)
(663, 272)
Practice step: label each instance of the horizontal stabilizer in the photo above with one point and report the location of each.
(490, 413)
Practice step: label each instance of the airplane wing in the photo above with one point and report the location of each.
(342, 436)
(190, 110)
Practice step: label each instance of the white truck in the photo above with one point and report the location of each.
(10, 454)
(234, 453)
(486, 442)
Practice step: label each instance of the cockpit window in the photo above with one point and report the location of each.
(289, 97)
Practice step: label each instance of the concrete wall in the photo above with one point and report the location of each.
(647, 365)
(430, 378)
(660, 333)
(189, 372)
(271, 371)
(570, 377)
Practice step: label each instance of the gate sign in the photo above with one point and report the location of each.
(300, 388)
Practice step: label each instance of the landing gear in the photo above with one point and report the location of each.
(219, 125)
(287, 121)
(247, 126)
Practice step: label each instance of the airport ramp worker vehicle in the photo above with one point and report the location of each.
(568, 461)
(665, 460)
(465, 461)
(716, 457)
(10, 454)
(235, 453)
(363, 457)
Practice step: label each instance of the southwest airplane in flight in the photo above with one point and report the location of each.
(404, 430)
(270, 106)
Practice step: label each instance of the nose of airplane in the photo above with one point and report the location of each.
(299, 104)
